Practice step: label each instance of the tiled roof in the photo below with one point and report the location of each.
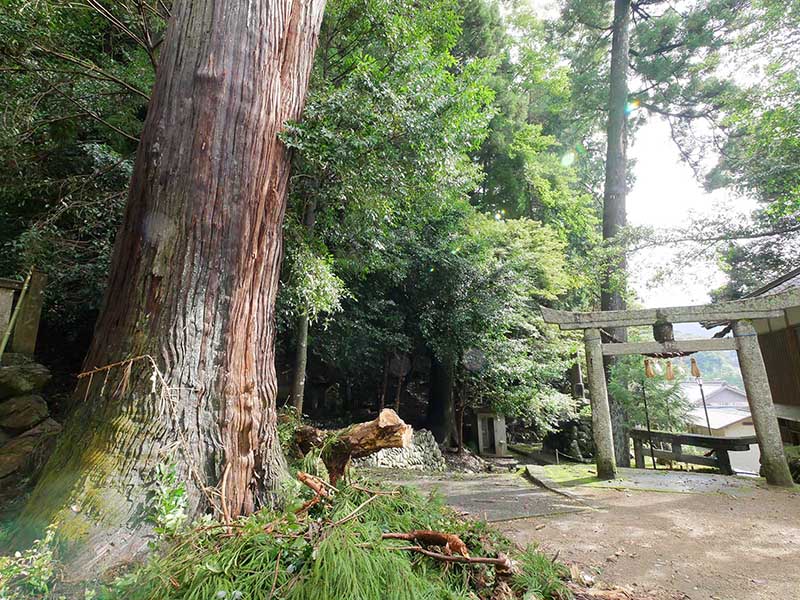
(719, 417)
(691, 391)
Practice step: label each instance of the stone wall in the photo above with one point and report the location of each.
(423, 454)
(27, 433)
(572, 437)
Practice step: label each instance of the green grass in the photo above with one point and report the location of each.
(540, 576)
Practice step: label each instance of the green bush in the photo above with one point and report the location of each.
(28, 574)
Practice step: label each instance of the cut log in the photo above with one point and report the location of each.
(357, 441)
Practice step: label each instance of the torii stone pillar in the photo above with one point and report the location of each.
(759, 396)
(601, 415)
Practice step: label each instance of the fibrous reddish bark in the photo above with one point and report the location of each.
(192, 287)
(363, 439)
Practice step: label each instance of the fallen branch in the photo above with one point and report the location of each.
(357, 441)
(450, 542)
(502, 561)
(275, 577)
(316, 484)
(503, 565)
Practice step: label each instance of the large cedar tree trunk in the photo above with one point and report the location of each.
(192, 285)
(614, 209)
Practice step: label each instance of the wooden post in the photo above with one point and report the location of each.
(601, 416)
(677, 451)
(6, 303)
(27, 325)
(759, 396)
(638, 453)
(724, 462)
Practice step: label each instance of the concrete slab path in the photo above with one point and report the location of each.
(493, 497)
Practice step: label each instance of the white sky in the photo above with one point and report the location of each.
(665, 195)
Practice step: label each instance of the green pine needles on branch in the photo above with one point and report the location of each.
(335, 551)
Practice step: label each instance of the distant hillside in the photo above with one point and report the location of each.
(717, 366)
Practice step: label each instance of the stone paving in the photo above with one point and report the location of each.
(562, 478)
(491, 496)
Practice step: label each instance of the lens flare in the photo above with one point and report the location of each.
(632, 106)
(568, 159)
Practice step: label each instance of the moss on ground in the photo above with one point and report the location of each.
(569, 474)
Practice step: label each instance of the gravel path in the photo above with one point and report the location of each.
(742, 544)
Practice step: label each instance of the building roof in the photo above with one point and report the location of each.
(785, 282)
(691, 391)
(719, 417)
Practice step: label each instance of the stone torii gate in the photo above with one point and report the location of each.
(738, 313)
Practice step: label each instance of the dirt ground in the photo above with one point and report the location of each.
(702, 546)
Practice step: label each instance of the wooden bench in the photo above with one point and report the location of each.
(720, 445)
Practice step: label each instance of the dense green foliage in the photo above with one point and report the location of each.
(723, 75)
(446, 175)
(760, 153)
(417, 199)
(409, 231)
(657, 398)
(74, 96)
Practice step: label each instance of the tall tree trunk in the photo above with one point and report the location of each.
(441, 402)
(192, 288)
(301, 345)
(385, 384)
(300, 362)
(614, 209)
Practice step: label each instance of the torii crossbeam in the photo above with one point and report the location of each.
(737, 313)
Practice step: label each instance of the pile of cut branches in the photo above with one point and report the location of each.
(343, 538)
(356, 540)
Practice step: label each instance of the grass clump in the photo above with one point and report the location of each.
(540, 577)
